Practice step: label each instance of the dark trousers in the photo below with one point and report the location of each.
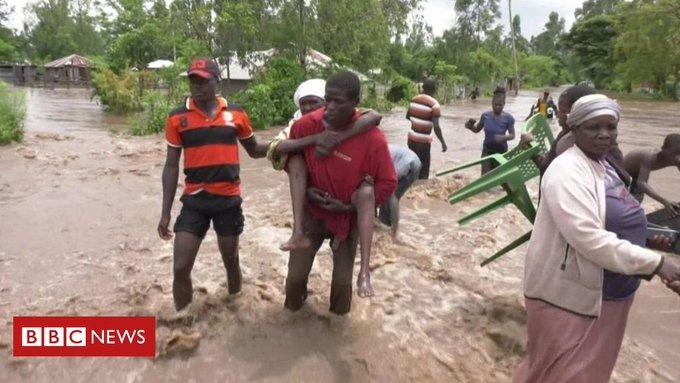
(422, 150)
(301, 261)
(488, 149)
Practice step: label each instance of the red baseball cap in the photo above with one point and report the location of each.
(205, 68)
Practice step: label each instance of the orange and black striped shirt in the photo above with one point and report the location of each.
(211, 161)
(421, 111)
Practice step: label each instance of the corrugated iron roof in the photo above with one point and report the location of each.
(71, 60)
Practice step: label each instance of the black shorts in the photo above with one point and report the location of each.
(199, 209)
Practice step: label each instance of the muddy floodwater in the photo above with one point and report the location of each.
(79, 205)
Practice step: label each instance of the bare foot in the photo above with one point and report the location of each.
(364, 288)
(297, 241)
(234, 279)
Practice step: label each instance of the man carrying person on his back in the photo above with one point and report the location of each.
(332, 187)
(424, 112)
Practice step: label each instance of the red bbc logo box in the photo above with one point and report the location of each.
(85, 337)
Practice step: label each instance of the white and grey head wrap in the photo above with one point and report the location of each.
(314, 87)
(591, 106)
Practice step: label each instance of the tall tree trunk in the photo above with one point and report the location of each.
(515, 81)
(303, 47)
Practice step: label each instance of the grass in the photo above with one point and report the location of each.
(12, 114)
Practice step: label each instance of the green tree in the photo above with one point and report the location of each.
(538, 71)
(521, 42)
(363, 40)
(475, 18)
(591, 41)
(57, 28)
(396, 14)
(485, 67)
(647, 49)
(140, 32)
(547, 42)
(8, 41)
(591, 8)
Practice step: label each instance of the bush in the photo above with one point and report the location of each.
(118, 93)
(12, 114)
(258, 103)
(371, 100)
(402, 89)
(269, 100)
(151, 120)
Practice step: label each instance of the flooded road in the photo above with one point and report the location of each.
(78, 213)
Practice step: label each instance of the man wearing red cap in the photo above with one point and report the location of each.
(207, 128)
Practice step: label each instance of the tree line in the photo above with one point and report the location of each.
(615, 44)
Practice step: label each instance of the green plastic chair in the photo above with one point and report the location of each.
(514, 169)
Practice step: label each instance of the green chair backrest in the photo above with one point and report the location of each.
(538, 126)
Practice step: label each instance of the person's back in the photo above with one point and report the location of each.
(404, 160)
(422, 109)
(640, 164)
(423, 113)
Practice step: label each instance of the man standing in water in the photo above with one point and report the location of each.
(545, 106)
(640, 163)
(424, 112)
(331, 189)
(207, 129)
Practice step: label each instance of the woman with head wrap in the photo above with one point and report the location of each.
(586, 257)
(309, 97)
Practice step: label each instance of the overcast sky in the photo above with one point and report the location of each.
(439, 13)
(533, 14)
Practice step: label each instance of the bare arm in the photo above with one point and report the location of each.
(328, 140)
(438, 132)
(365, 122)
(531, 113)
(511, 133)
(294, 145)
(170, 177)
(470, 125)
(644, 187)
(509, 136)
(169, 181)
(254, 148)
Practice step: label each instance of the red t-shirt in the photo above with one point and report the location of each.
(341, 173)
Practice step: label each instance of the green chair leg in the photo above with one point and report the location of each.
(486, 209)
(516, 243)
(525, 205)
(498, 159)
(498, 178)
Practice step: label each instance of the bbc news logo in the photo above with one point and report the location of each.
(85, 337)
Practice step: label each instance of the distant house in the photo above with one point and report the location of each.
(160, 64)
(240, 75)
(24, 73)
(73, 69)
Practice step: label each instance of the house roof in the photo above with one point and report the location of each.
(71, 60)
(257, 59)
(158, 64)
